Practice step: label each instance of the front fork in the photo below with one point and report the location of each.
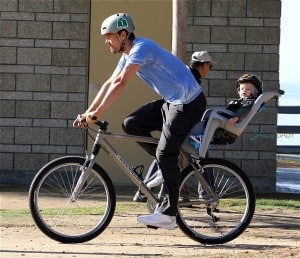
(85, 171)
(86, 168)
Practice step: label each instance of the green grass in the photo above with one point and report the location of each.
(126, 207)
(121, 208)
(287, 162)
(14, 213)
(281, 204)
(129, 207)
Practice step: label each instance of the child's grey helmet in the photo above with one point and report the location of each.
(117, 22)
(251, 78)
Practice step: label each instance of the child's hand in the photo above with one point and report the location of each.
(232, 121)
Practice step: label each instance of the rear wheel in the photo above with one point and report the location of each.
(78, 220)
(215, 220)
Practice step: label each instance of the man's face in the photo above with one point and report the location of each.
(113, 42)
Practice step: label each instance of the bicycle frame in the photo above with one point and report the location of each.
(101, 141)
(200, 197)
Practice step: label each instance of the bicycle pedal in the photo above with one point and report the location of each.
(152, 227)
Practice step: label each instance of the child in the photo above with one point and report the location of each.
(249, 87)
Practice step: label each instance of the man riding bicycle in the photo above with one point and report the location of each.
(181, 106)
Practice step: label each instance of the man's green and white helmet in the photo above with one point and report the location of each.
(117, 22)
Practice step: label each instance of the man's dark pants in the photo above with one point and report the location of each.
(175, 122)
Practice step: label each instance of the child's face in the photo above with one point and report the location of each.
(245, 90)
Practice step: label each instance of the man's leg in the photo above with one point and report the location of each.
(177, 125)
(143, 121)
(178, 120)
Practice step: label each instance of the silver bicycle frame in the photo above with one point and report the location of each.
(102, 142)
(124, 164)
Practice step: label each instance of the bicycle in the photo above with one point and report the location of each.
(72, 199)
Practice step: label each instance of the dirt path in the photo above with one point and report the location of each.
(271, 234)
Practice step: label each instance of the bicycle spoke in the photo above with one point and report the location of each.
(66, 220)
(220, 217)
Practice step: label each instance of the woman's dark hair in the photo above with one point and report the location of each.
(197, 64)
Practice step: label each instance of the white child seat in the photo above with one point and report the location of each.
(216, 120)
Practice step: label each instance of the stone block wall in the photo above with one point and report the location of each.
(242, 36)
(43, 82)
(44, 77)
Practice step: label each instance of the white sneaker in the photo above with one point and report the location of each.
(157, 180)
(158, 220)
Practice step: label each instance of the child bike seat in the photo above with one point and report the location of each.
(218, 119)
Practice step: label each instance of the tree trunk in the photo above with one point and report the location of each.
(179, 28)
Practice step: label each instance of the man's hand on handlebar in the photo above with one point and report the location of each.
(80, 121)
(83, 120)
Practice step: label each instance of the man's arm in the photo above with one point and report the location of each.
(101, 93)
(110, 91)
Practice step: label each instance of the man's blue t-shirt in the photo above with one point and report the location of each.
(162, 71)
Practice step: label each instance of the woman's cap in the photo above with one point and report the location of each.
(202, 57)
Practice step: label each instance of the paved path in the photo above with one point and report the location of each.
(271, 234)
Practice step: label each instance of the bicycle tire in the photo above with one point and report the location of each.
(71, 221)
(217, 221)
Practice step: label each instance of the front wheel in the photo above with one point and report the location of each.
(218, 219)
(62, 218)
